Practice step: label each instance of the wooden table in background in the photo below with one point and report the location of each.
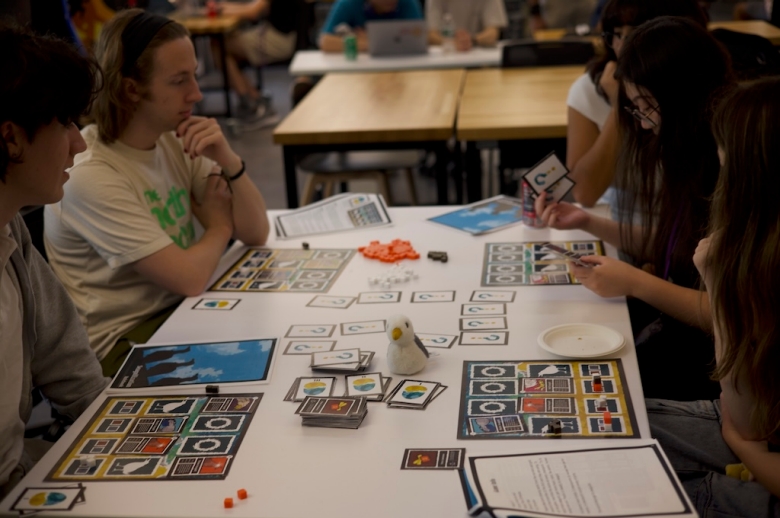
(390, 110)
(512, 104)
(217, 28)
(755, 27)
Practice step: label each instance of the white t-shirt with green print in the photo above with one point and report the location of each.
(121, 205)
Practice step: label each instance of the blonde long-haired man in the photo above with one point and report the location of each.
(122, 240)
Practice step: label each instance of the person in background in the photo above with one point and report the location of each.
(123, 240)
(270, 41)
(727, 451)
(355, 14)
(42, 342)
(671, 73)
(761, 10)
(592, 138)
(559, 14)
(477, 22)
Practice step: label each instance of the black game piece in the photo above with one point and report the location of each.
(212, 389)
(305, 245)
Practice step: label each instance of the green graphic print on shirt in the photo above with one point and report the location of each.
(172, 215)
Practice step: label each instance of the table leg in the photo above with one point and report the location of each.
(225, 78)
(473, 166)
(441, 173)
(290, 178)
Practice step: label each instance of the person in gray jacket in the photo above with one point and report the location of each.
(45, 85)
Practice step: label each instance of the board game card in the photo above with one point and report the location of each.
(137, 466)
(207, 445)
(379, 297)
(596, 425)
(451, 458)
(218, 423)
(549, 370)
(365, 384)
(433, 296)
(546, 173)
(197, 467)
(319, 386)
(493, 387)
(363, 328)
(436, 340)
(566, 255)
(548, 405)
(496, 425)
(547, 385)
(486, 338)
(542, 425)
(330, 301)
(473, 310)
(492, 407)
(612, 405)
(321, 359)
(482, 323)
(303, 347)
(561, 188)
(216, 304)
(310, 331)
(412, 393)
(493, 296)
(332, 406)
(607, 387)
(36, 499)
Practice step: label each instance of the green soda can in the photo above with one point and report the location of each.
(350, 47)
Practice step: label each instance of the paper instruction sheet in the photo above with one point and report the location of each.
(338, 213)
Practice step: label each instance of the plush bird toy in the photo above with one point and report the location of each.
(406, 354)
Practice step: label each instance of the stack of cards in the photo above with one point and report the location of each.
(414, 394)
(304, 387)
(350, 360)
(372, 386)
(333, 412)
(550, 175)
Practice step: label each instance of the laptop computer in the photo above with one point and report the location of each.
(397, 37)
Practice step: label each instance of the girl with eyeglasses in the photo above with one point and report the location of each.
(592, 137)
(670, 72)
(727, 451)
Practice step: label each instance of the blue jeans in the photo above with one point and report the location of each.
(689, 432)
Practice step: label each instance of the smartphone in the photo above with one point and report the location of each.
(565, 254)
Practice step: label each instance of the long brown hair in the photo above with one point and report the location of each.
(668, 178)
(745, 256)
(112, 109)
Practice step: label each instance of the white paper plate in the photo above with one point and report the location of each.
(581, 340)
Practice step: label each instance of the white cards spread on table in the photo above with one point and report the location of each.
(348, 211)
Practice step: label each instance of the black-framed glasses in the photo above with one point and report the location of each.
(643, 117)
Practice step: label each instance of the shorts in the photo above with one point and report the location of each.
(264, 44)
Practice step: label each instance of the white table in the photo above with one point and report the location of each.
(293, 471)
(317, 63)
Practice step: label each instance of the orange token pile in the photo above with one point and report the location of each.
(390, 252)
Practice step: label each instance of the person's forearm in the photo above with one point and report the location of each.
(202, 259)
(331, 43)
(250, 217)
(595, 170)
(687, 305)
(488, 37)
(763, 464)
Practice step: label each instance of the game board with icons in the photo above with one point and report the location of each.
(528, 264)
(539, 399)
(289, 269)
(182, 437)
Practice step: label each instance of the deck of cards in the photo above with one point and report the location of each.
(373, 386)
(345, 360)
(333, 412)
(414, 394)
(304, 387)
